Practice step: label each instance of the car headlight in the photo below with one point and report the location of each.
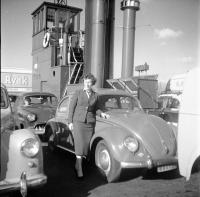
(31, 117)
(30, 147)
(131, 144)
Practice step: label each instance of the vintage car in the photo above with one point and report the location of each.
(21, 153)
(33, 109)
(168, 109)
(130, 138)
(189, 125)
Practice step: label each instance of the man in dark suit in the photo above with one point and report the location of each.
(82, 119)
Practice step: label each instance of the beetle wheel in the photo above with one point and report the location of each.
(106, 163)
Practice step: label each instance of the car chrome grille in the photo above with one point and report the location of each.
(39, 126)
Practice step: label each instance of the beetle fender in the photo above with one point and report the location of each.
(114, 138)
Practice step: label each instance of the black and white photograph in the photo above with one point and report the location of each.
(100, 98)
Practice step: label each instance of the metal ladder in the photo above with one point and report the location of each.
(76, 74)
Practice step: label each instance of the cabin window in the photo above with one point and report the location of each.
(35, 24)
(50, 18)
(38, 22)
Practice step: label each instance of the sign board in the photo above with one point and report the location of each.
(18, 82)
(142, 68)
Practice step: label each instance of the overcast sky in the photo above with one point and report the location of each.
(166, 34)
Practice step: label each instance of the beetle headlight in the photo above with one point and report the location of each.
(31, 117)
(30, 147)
(131, 144)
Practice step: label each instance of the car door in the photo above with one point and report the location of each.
(65, 136)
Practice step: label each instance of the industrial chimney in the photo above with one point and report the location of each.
(129, 8)
(99, 39)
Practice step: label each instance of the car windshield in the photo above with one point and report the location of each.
(118, 102)
(168, 102)
(4, 103)
(40, 99)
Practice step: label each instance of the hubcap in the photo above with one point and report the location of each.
(104, 161)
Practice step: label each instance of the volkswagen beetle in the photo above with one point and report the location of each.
(33, 109)
(130, 138)
(21, 153)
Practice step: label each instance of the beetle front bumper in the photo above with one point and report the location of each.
(23, 183)
(143, 164)
(149, 163)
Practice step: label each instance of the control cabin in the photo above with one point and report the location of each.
(57, 47)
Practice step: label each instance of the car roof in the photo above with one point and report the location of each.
(170, 95)
(37, 93)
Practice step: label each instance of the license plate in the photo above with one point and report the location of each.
(166, 168)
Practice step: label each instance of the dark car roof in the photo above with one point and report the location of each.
(37, 93)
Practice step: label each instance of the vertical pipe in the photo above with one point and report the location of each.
(87, 51)
(65, 50)
(98, 41)
(109, 48)
(78, 22)
(129, 8)
(97, 51)
(57, 18)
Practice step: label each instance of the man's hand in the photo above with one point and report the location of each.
(70, 125)
(105, 116)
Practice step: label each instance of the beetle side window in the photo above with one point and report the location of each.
(111, 103)
(64, 107)
(4, 103)
(126, 103)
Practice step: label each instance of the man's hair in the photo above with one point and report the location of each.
(90, 76)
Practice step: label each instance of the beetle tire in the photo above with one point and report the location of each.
(105, 162)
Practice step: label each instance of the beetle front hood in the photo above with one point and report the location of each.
(156, 135)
